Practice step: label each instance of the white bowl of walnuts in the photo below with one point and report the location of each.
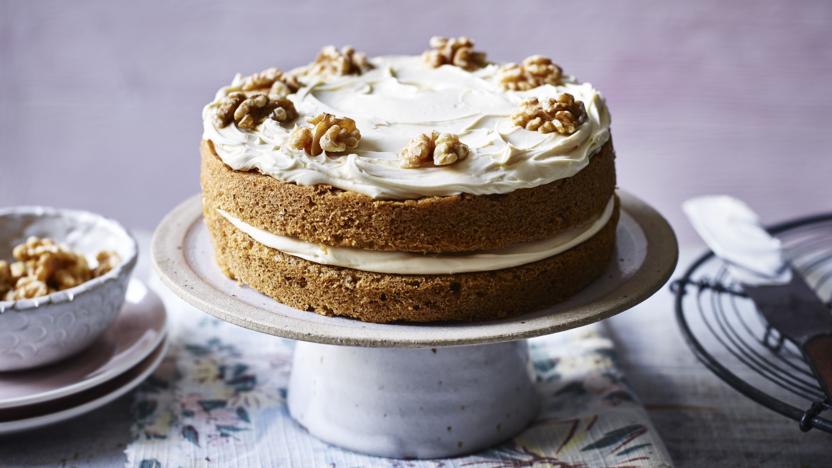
(63, 279)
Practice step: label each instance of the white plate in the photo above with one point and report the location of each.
(646, 253)
(134, 334)
(38, 415)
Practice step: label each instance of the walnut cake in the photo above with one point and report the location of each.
(433, 187)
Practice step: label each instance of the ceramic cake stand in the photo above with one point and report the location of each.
(409, 390)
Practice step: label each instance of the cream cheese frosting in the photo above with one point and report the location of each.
(406, 263)
(401, 98)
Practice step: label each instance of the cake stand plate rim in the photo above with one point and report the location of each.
(169, 259)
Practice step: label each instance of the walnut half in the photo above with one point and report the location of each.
(279, 83)
(229, 104)
(328, 133)
(563, 115)
(456, 51)
(333, 62)
(436, 149)
(535, 71)
(6, 282)
(250, 111)
(41, 267)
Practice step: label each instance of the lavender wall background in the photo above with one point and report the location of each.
(100, 101)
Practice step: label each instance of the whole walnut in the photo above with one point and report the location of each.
(248, 112)
(457, 51)
(434, 149)
(43, 266)
(328, 133)
(533, 72)
(563, 115)
(333, 62)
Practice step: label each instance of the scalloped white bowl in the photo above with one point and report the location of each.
(40, 331)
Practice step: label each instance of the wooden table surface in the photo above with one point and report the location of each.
(702, 421)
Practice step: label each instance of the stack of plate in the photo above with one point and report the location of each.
(123, 357)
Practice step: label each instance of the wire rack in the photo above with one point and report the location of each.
(726, 333)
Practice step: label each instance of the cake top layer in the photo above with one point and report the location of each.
(401, 105)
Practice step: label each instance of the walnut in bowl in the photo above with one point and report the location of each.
(58, 299)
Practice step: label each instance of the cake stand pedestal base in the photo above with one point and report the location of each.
(413, 390)
(413, 402)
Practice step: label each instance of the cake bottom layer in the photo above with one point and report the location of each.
(383, 298)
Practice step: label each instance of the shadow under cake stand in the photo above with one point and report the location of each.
(413, 390)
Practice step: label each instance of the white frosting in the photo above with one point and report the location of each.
(425, 264)
(402, 98)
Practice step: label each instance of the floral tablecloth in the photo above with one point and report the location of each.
(219, 399)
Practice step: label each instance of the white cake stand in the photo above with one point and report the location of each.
(411, 390)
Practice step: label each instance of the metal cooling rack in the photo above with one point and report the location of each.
(726, 333)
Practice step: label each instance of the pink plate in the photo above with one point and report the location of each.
(27, 417)
(135, 333)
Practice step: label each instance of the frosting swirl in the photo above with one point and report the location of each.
(402, 98)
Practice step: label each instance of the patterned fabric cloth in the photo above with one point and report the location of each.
(219, 399)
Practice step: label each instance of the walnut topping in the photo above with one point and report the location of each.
(6, 282)
(437, 149)
(535, 71)
(43, 267)
(278, 83)
(249, 111)
(328, 133)
(229, 104)
(333, 62)
(284, 110)
(563, 115)
(27, 288)
(107, 260)
(457, 51)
